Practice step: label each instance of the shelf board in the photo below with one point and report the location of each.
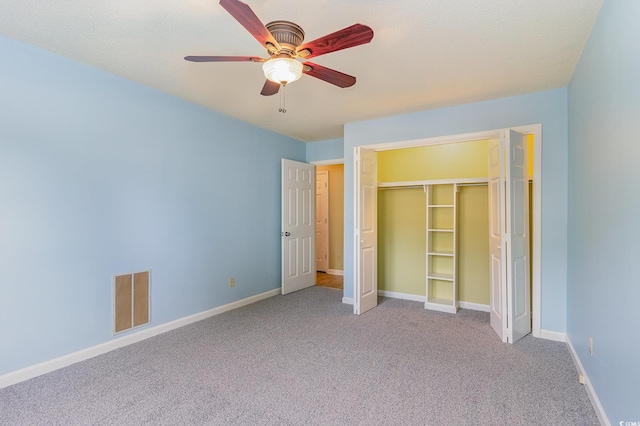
(439, 230)
(441, 253)
(441, 277)
(441, 205)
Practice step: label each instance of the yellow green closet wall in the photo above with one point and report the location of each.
(336, 215)
(448, 161)
(401, 217)
(401, 240)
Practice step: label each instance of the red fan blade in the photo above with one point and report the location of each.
(354, 35)
(270, 88)
(329, 75)
(250, 21)
(224, 59)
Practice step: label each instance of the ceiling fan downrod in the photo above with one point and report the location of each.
(283, 99)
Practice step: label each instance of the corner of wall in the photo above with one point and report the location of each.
(591, 392)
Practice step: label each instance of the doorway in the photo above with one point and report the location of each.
(535, 131)
(330, 271)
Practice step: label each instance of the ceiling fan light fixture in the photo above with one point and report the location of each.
(282, 70)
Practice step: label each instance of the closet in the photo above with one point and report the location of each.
(500, 164)
(420, 245)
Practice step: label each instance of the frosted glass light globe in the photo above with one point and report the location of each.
(282, 70)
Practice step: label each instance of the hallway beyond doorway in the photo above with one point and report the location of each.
(328, 280)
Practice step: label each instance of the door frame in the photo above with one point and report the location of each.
(536, 131)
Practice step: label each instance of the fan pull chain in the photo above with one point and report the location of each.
(283, 100)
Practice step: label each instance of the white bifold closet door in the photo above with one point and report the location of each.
(510, 316)
(366, 231)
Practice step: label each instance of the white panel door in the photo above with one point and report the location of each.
(366, 292)
(517, 226)
(298, 226)
(322, 220)
(498, 296)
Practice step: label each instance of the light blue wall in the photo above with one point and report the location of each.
(604, 209)
(548, 108)
(100, 176)
(330, 149)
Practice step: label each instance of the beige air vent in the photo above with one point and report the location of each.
(131, 300)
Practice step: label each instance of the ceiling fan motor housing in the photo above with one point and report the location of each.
(287, 34)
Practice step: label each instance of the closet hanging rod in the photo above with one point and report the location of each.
(402, 187)
(418, 183)
(474, 184)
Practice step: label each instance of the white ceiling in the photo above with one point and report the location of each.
(425, 53)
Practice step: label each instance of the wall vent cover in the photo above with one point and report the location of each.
(131, 300)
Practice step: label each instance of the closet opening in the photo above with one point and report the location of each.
(444, 242)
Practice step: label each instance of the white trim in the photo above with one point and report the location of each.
(591, 392)
(536, 212)
(93, 351)
(556, 336)
(439, 140)
(347, 300)
(355, 300)
(419, 298)
(474, 306)
(327, 162)
(403, 296)
(335, 272)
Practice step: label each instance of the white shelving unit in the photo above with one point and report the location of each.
(442, 290)
(442, 239)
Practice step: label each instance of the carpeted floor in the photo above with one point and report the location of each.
(305, 359)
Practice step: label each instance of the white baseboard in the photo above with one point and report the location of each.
(418, 298)
(335, 272)
(474, 306)
(347, 300)
(602, 416)
(403, 296)
(556, 336)
(83, 354)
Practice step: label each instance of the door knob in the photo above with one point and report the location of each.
(287, 234)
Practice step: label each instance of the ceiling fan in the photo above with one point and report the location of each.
(283, 40)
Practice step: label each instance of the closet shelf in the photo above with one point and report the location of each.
(441, 277)
(441, 253)
(439, 230)
(441, 205)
